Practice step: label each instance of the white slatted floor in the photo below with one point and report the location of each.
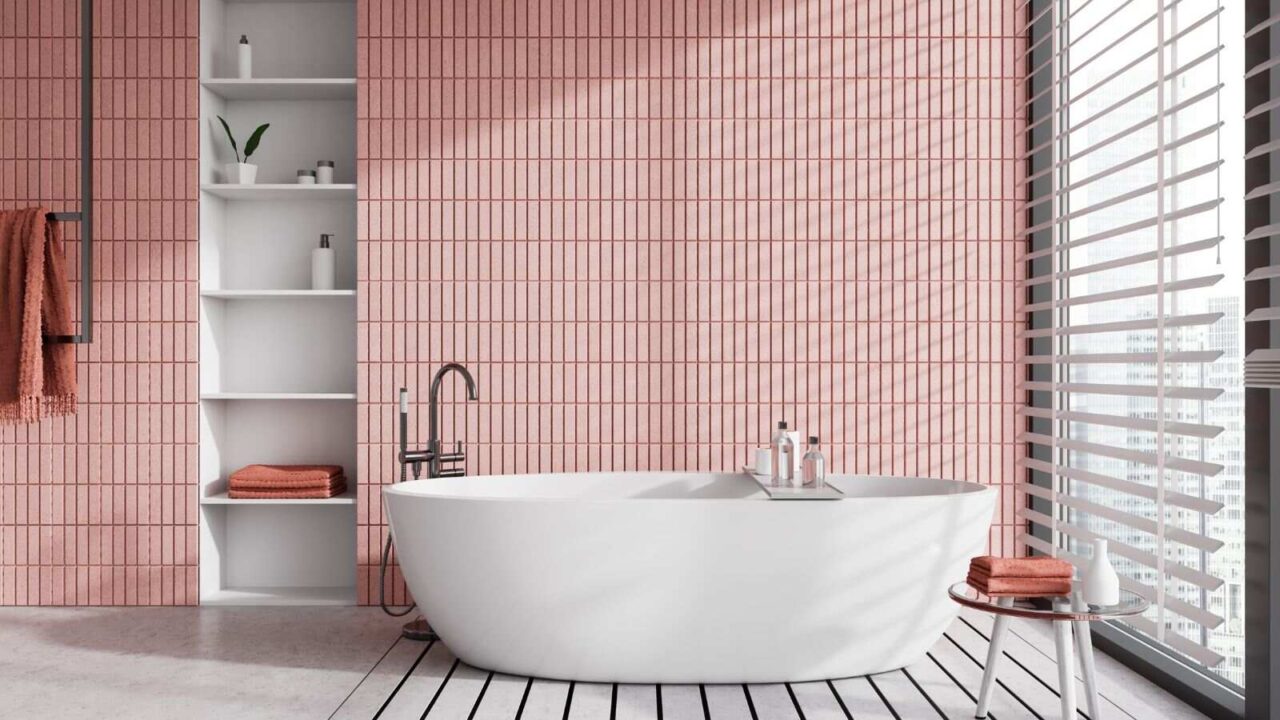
(420, 680)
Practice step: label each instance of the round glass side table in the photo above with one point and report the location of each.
(1066, 614)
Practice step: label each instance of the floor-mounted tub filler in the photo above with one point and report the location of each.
(683, 577)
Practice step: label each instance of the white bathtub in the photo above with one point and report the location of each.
(685, 578)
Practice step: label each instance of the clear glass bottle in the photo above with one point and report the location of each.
(784, 453)
(813, 467)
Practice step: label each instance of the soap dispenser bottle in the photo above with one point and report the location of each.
(322, 265)
(244, 57)
(814, 466)
(784, 454)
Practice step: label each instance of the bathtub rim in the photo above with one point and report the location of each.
(422, 488)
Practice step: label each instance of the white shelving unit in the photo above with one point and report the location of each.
(277, 359)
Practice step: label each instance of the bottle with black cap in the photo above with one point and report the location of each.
(322, 265)
(784, 454)
(244, 58)
(813, 468)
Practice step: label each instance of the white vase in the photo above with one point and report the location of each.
(1101, 584)
(238, 173)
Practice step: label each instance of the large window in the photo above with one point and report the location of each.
(1138, 273)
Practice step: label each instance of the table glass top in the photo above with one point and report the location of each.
(1050, 608)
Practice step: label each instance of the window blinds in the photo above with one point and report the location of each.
(1129, 346)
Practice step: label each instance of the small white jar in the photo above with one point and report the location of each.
(306, 177)
(324, 172)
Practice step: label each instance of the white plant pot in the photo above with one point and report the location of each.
(238, 173)
(1101, 584)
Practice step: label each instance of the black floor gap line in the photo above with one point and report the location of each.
(657, 690)
(613, 703)
(947, 672)
(524, 698)
(366, 677)
(750, 705)
(884, 699)
(927, 699)
(844, 708)
(999, 682)
(706, 709)
(568, 700)
(440, 689)
(794, 701)
(480, 697)
(400, 684)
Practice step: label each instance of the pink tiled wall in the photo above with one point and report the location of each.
(653, 228)
(99, 508)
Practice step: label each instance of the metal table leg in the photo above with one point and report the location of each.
(994, 651)
(1066, 665)
(1085, 642)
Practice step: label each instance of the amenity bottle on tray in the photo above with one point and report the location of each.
(813, 470)
(784, 453)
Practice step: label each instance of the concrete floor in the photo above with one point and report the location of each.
(251, 663)
(220, 663)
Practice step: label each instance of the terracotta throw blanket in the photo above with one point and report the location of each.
(37, 379)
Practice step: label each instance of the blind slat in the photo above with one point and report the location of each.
(1170, 321)
(1127, 293)
(1137, 522)
(1176, 356)
(1128, 487)
(1127, 228)
(1126, 261)
(1125, 421)
(1141, 457)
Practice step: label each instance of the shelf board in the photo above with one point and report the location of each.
(281, 596)
(346, 498)
(282, 88)
(276, 294)
(276, 396)
(281, 191)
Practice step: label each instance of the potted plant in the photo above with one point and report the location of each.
(242, 171)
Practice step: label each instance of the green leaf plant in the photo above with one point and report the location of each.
(249, 146)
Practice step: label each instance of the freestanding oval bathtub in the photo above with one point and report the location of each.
(685, 578)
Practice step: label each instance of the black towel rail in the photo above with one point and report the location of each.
(85, 216)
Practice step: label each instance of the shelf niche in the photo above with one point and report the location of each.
(277, 359)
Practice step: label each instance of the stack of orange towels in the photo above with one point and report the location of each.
(1039, 576)
(287, 482)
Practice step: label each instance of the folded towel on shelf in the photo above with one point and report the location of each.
(37, 378)
(290, 493)
(318, 484)
(1029, 567)
(285, 476)
(1020, 587)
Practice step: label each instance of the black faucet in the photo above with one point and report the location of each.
(432, 455)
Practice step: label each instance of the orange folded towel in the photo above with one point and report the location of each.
(285, 476)
(1030, 567)
(288, 494)
(318, 484)
(1020, 587)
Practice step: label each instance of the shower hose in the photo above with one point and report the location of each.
(382, 567)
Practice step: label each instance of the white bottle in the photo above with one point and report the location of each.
(1101, 584)
(245, 58)
(322, 265)
(784, 452)
(814, 468)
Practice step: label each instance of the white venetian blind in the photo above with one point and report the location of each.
(1129, 312)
